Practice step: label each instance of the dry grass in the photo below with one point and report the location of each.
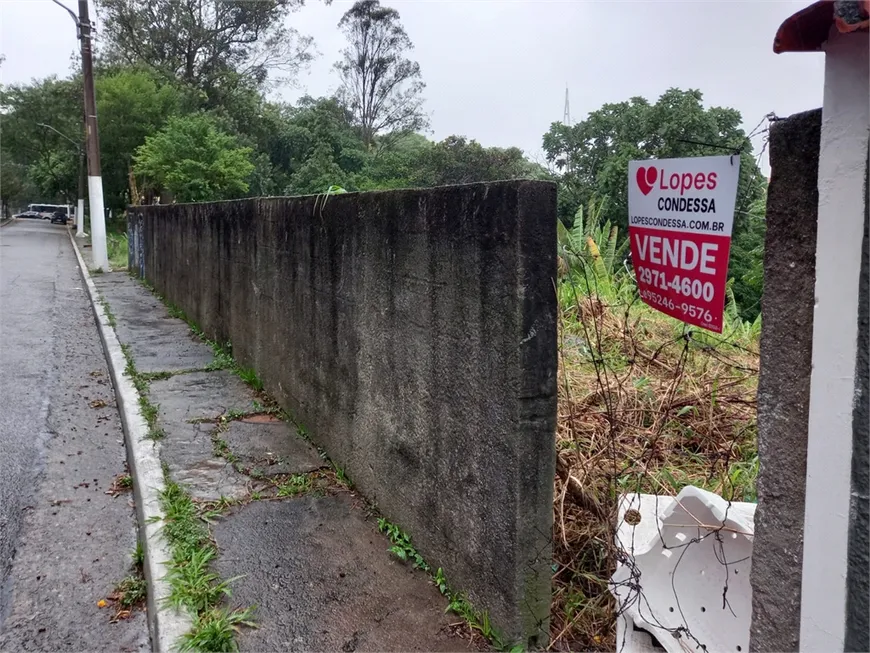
(645, 405)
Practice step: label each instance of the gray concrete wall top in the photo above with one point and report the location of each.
(413, 333)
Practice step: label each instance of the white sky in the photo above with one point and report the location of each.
(496, 70)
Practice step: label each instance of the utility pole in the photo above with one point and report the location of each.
(95, 178)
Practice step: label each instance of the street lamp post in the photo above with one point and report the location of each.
(95, 178)
(80, 204)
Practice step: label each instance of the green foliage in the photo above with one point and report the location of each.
(593, 154)
(295, 484)
(193, 586)
(117, 248)
(591, 254)
(49, 156)
(131, 105)
(216, 630)
(131, 590)
(195, 161)
(747, 258)
(402, 547)
(457, 160)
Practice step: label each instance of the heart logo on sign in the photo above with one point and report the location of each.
(646, 179)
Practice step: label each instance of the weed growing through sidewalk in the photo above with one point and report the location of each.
(192, 585)
(402, 547)
(295, 484)
(221, 449)
(215, 630)
(141, 383)
(110, 316)
(139, 555)
(459, 604)
(250, 377)
(132, 592)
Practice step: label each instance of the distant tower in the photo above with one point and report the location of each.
(566, 118)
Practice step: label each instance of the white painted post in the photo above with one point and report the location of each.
(98, 223)
(80, 218)
(842, 165)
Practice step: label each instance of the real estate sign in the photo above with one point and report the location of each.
(680, 214)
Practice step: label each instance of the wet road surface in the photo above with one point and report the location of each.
(64, 542)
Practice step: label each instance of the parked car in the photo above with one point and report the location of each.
(34, 215)
(58, 218)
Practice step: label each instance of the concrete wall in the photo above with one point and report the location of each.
(414, 334)
(858, 576)
(784, 382)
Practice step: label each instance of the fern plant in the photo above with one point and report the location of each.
(590, 251)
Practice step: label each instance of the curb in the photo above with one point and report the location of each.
(165, 623)
(6, 221)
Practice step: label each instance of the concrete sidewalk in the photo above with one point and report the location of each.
(313, 561)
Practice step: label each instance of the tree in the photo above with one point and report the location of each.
(131, 105)
(381, 87)
(194, 160)
(456, 160)
(592, 155)
(41, 126)
(205, 44)
(747, 258)
(15, 185)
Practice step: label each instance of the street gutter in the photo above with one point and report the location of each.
(165, 623)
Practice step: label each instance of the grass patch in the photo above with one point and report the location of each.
(458, 603)
(116, 245)
(222, 450)
(132, 592)
(110, 316)
(216, 629)
(294, 485)
(141, 383)
(193, 586)
(250, 377)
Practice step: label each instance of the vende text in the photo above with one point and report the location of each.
(676, 252)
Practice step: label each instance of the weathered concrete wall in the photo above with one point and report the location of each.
(784, 382)
(858, 576)
(414, 334)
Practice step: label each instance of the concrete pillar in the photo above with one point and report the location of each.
(784, 382)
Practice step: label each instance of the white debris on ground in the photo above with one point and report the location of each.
(682, 583)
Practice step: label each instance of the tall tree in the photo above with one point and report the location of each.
(131, 105)
(206, 44)
(380, 85)
(41, 126)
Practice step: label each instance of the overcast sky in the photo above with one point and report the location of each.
(496, 70)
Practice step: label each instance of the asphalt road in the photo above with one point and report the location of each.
(64, 542)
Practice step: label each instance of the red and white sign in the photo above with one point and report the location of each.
(680, 214)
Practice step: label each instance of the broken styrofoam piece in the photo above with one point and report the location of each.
(679, 558)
